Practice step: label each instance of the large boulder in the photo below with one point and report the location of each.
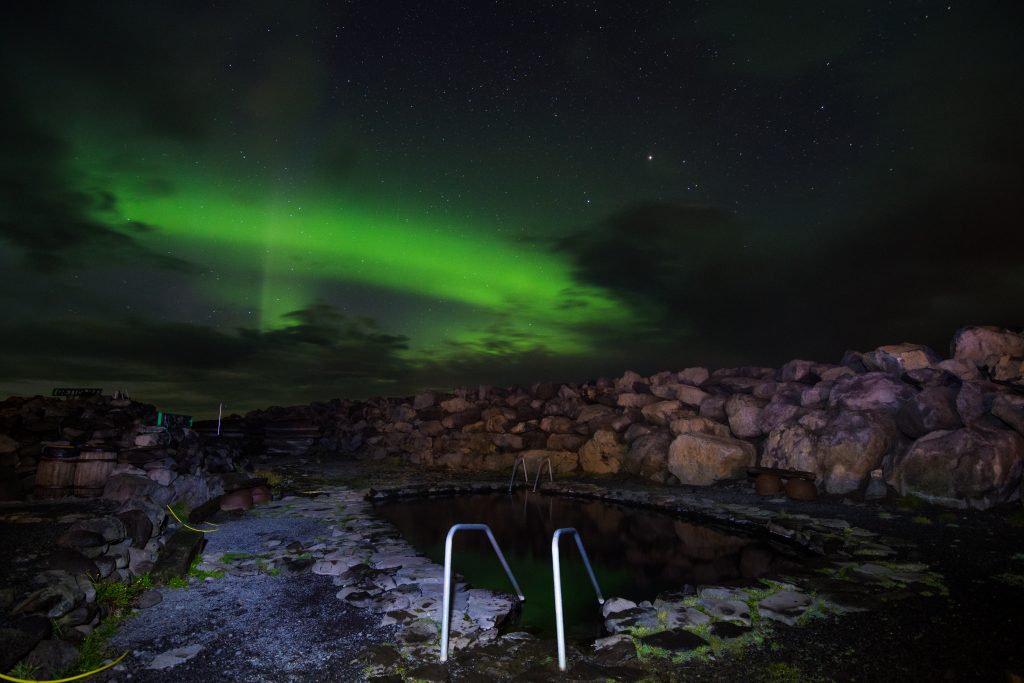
(699, 425)
(647, 455)
(799, 371)
(663, 412)
(564, 442)
(125, 487)
(703, 459)
(896, 359)
(744, 414)
(686, 394)
(870, 391)
(982, 346)
(972, 467)
(1008, 369)
(961, 369)
(603, 454)
(593, 412)
(713, 408)
(1010, 409)
(694, 376)
(633, 400)
(557, 424)
(841, 450)
(778, 412)
(974, 401)
(931, 410)
(562, 462)
(455, 405)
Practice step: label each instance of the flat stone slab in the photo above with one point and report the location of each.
(785, 606)
(674, 641)
(174, 657)
(176, 556)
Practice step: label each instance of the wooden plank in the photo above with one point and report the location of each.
(784, 474)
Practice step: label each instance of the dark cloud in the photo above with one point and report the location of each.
(56, 219)
(321, 354)
(914, 270)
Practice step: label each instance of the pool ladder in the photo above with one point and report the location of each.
(556, 572)
(526, 476)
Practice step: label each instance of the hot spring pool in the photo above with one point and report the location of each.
(636, 553)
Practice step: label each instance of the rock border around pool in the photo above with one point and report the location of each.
(861, 569)
(375, 569)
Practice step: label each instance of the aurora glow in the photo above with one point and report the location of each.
(263, 207)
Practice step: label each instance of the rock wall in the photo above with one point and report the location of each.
(946, 430)
(174, 459)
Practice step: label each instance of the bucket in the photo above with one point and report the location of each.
(55, 475)
(94, 466)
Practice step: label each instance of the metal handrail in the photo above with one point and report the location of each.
(526, 475)
(540, 466)
(556, 570)
(446, 602)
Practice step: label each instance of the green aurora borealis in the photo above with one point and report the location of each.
(260, 206)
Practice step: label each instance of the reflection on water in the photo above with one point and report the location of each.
(636, 553)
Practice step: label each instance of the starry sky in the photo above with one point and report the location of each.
(270, 203)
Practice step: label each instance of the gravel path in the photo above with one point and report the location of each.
(288, 627)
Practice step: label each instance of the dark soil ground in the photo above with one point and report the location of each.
(292, 628)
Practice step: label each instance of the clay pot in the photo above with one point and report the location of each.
(236, 500)
(801, 489)
(261, 494)
(768, 484)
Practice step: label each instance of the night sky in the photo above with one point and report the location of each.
(265, 204)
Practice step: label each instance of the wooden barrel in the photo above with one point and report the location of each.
(55, 475)
(94, 466)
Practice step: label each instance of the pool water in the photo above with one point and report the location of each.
(636, 553)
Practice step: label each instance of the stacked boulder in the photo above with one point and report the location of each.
(950, 431)
(59, 609)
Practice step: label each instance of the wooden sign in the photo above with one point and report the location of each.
(69, 391)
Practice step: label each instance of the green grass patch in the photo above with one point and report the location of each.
(177, 582)
(264, 568)
(274, 480)
(234, 557)
(95, 649)
(202, 574)
(920, 519)
(119, 597)
(23, 670)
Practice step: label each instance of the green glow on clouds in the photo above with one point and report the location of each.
(522, 296)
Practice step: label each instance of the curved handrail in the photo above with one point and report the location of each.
(526, 476)
(446, 602)
(540, 467)
(556, 571)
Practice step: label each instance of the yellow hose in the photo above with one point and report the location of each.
(192, 528)
(71, 678)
